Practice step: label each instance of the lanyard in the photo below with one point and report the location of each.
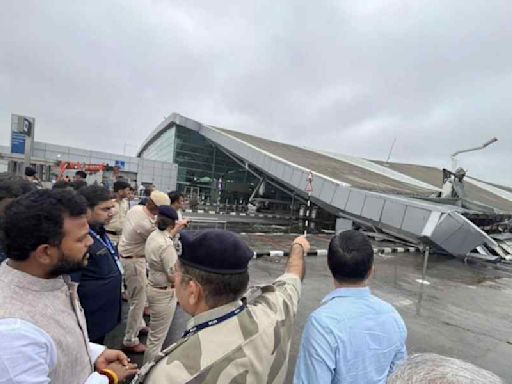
(106, 242)
(211, 323)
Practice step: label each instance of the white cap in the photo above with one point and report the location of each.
(160, 198)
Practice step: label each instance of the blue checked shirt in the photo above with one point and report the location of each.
(354, 337)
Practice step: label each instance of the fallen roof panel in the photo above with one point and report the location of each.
(434, 176)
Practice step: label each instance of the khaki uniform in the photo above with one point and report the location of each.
(161, 257)
(137, 227)
(251, 347)
(116, 224)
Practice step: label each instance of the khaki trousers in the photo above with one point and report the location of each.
(135, 278)
(162, 304)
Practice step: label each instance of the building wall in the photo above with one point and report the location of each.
(160, 173)
(4, 163)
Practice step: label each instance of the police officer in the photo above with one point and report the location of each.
(138, 225)
(121, 207)
(161, 257)
(177, 202)
(229, 338)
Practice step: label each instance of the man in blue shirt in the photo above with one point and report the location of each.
(354, 337)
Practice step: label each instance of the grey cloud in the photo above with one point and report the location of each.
(340, 76)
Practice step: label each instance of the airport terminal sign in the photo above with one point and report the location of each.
(22, 133)
(121, 164)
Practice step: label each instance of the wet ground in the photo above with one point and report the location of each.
(260, 242)
(465, 311)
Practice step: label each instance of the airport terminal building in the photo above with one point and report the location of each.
(404, 201)
(233, 171)
(49, 159)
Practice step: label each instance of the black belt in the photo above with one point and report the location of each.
(162, 288)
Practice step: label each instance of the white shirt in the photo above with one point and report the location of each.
(28, 354)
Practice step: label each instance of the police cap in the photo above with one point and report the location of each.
(215, 251)
(167, 211)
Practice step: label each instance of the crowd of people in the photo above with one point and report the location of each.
(70, 253)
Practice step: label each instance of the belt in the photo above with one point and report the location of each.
(133, 257)
(162, 288)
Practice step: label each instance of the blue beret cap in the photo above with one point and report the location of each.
(169, 212)
(215, 251)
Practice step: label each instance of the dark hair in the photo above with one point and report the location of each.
(94, 195)
(147, 192)
(120, 185)
(162, 222)
(78, 184)
(61, 184)
(82, 174)
(38, 218)
(174, 196)
(219, 289)
(30, 171)
(12, 186)
(350, 257)
(132, 189)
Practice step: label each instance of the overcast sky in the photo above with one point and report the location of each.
(341, 76)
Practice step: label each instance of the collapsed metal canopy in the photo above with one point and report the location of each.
(385, 195)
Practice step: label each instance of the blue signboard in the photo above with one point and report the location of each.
(121, 164)
(17, 142)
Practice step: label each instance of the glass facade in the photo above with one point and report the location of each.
(162, 149)
(202, 167)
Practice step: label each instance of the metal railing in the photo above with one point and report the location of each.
(207, 223)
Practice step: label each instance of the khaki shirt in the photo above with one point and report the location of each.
(137, 227)
(161, 257)
(119, 213)
(250, 347)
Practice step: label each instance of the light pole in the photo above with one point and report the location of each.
(486, 144)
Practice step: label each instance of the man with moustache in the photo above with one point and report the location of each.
(100, 281)
(42, 326)
(230, 338)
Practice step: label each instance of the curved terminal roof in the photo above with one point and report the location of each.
(346, 172)
(385, 195)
